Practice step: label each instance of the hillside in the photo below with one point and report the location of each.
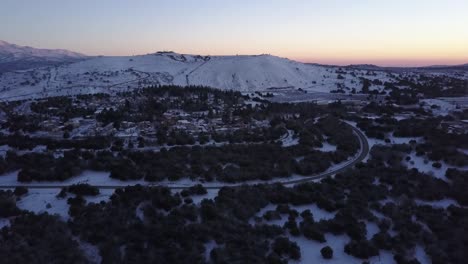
(241, 73)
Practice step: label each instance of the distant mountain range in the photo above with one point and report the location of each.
(15, 57)
(463, 67)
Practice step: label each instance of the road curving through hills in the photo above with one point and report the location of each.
(338, 168)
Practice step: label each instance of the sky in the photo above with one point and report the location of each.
(382, 32)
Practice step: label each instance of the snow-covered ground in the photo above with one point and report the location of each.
(90, 251)
(438, 107)
(290, 140)
(403, 140)
(424, 165)
(210, 195)
(90, 177)
(464, 151)
(393, 140)
(421, 255)
(438, 204)
(318, 214)
(45, 200)
(372, 229)
(4, 222)
(310, 251)
(208, 248)
(96, 178)
(103, 196)
(242, 73)
(327, 147)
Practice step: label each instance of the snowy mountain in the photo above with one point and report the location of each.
(243, 73)
(14, 57)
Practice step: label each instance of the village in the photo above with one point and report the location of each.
(118, 117)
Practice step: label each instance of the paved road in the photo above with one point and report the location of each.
(363, 151)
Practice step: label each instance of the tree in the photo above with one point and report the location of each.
(20, 191)
(283, 246)
(362, 249)
(327, 252)
(365, 85)
(83, 189)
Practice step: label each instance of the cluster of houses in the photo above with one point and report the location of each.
(192, 123)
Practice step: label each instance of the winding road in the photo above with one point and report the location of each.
(360, 156)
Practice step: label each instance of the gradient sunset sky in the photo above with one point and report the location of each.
(396, 32)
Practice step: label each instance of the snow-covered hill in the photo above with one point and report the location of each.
(242, 73)
(14, 57)
(263, 72)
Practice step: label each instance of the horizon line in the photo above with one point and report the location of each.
(383, 63)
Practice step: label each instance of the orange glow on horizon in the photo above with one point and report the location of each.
(397, 32)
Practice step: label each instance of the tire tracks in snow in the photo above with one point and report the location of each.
(187, 76)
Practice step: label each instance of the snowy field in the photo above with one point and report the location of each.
(318, 214)
(439, 107)
(45, 200)
(310, 250)
(422, 164)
